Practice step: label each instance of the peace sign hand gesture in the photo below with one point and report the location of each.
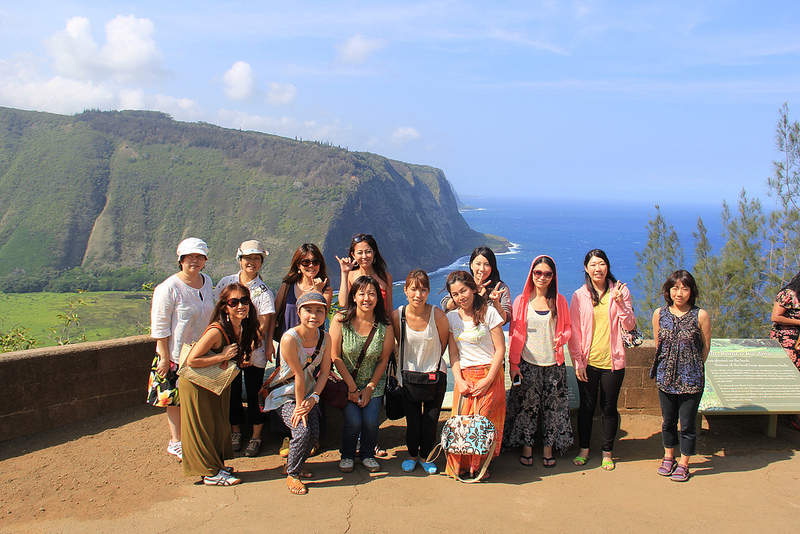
(617, 294)
(497, 292)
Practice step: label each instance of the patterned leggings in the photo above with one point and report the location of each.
(544, 393)
(303, 437)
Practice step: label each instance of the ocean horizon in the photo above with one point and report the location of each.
(566, 230)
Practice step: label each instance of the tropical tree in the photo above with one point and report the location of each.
(661, 256)
(782, 231)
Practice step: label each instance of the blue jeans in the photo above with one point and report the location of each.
(364, 422)
(681, 407)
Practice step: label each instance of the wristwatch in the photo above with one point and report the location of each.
(315, 396)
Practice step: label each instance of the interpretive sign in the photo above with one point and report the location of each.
(750, 376)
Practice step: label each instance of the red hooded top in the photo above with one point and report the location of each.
(518, 330)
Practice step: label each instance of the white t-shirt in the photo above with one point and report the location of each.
(264, 301)
(475, 346)
(180, 313)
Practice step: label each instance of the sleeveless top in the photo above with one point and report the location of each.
(539, 348)
(680, 362)
(352, 342)
(285, 393)
(422, 351)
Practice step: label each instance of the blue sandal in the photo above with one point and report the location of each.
(408, 465)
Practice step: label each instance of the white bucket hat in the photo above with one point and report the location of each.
(192, 245)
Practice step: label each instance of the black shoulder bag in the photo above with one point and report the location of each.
(417, 386)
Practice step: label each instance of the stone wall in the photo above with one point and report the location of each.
(639, 393)
(46, 388)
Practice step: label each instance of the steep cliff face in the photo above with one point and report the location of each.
(121, 189)
(414, 228)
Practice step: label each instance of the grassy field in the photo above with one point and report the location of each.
(105, 315)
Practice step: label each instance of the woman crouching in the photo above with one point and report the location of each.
(294, 391)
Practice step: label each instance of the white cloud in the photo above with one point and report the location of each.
(285, 126)
(57, 95)
(281, 94)
(240, 81)
(130, 53)
(358, 48)
(404, 135)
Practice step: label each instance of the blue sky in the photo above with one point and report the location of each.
(652, 101)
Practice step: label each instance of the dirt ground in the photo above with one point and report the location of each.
(112, 474)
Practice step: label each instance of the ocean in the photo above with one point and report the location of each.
(566, 230)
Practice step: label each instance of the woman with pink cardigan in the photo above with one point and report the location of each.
(539, 329)
(600, 310)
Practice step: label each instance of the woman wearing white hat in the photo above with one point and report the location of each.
(181, 310)
(251, 255)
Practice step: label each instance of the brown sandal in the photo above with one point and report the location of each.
(296, 486)
(305, 473)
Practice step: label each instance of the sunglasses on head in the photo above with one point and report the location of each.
(309, 263)
(232, 303)
(539, 274)
(362, 237)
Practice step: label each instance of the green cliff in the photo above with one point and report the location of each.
(113, 190)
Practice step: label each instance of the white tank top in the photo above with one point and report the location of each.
(422, 350)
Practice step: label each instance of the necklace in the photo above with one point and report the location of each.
(303, 289)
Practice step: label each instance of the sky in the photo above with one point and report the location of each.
(661, 101)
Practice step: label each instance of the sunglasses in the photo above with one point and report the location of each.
(362, 237)
(309, 263)
(232, 303)
(540, 274)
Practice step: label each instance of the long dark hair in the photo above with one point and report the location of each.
(552, 289)
(378, 263)
(478, 302)
(380, 308)
(596, 253)
(486, 252)
(294, 275)
(251, 331)
(793, 285)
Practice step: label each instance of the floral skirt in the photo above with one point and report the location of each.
(544, 393)
(162, 391)
(491, 405)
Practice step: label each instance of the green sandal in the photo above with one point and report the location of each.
(580, 460)
(608, 464)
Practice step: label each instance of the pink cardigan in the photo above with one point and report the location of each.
(518, 330)
(582, 313)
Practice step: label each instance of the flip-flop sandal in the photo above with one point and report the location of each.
(527, 461)
(608, 464)
(580, 461)
(548, 462)
(296, 486)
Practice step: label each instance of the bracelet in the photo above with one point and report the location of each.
(352, 392)
(370, 386)
(314, 396)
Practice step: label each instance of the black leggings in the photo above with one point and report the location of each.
(253, 380)
(609, 383)
(422, 419)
